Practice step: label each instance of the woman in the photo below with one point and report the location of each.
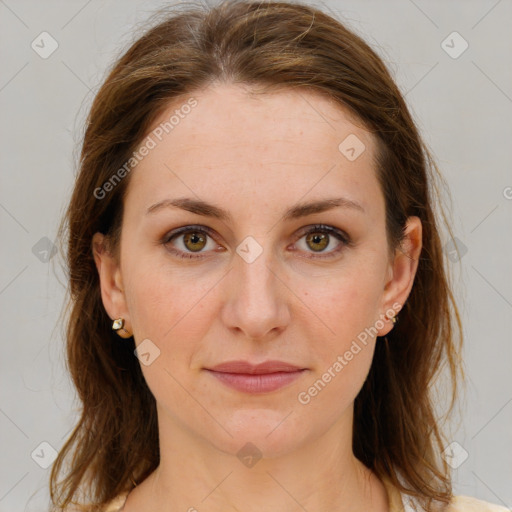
(260, 303)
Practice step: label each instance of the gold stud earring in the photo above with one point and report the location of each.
(118, 326)
(393, 318)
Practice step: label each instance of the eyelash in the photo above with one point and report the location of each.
(204, 230)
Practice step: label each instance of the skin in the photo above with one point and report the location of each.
(256, 156)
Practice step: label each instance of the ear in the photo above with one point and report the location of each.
(401, 273)
(111, 282)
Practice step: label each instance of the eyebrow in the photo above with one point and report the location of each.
(299, 210)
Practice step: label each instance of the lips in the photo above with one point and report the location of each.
(255, 369)
(256, 378)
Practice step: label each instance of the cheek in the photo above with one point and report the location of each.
(171, 310)
(342, 330)
(149, 303)
(343, 354)
(332, 391)
(345, 303)
(161, 297)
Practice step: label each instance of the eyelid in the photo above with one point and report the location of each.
(331, 230)
(185, 229)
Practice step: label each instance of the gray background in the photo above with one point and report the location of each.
(462, 105)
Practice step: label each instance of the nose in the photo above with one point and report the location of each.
(256, 296)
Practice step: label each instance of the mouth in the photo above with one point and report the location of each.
(261, 378)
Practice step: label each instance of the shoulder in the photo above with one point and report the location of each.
(116, 504)
(470, 504)
(400, 502)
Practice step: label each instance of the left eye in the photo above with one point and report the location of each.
(319, 238)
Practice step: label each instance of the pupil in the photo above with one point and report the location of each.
(194, 239)
(319, 239)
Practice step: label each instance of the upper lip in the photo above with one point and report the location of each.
(247, 368)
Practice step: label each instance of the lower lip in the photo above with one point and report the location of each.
(262, 383)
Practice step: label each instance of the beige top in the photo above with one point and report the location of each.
(395, 499)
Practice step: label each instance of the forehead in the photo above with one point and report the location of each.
(226, 141)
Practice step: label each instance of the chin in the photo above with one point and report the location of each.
(268, 433)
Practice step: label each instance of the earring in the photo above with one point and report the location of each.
(393, 319)
(118, 326)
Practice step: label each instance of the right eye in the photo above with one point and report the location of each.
(189, 241)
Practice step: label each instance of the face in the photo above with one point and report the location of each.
(254, 230)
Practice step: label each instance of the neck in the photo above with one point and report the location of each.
(319, 475)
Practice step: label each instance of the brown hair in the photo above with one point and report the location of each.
(273, 45)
